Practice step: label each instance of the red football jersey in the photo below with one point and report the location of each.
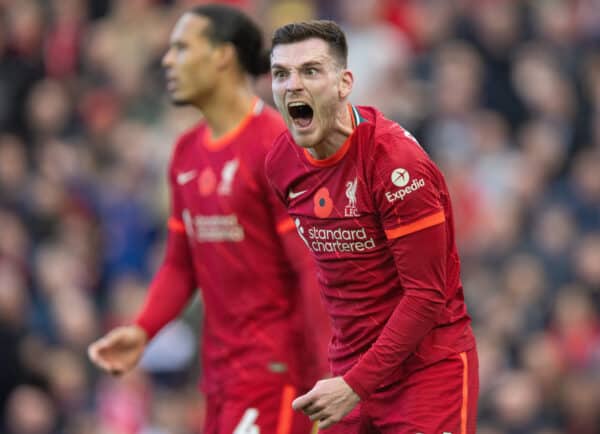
(229, 226)
(365, 214)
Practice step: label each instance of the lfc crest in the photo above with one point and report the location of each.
(350, 209)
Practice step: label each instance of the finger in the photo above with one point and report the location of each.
(99, 360)
(97, 350)
(94, 356)
(102, 343)
(312, 408)
(92, 353)
(110, 339)
(302, 401)
(104, 365)
(319, 415)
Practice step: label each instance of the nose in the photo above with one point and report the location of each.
(294, 82)
(167, 59)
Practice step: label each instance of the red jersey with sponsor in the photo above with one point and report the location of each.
(224, 208)
(364, 214)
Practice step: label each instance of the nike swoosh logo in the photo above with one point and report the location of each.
(294, 195)
(185, 177)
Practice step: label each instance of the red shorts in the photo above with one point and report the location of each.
(439, 399)
(264, 407)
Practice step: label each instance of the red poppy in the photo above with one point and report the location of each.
(323, 203)
(207, 182)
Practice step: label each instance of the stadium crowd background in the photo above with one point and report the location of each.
(504, 94)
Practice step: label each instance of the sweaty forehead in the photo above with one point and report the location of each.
(298, 53)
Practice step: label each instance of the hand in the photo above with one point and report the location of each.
(328, 401)
(119, 350)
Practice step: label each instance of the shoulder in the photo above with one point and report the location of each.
(393, 142)
(279, 155)
(381, 135)
(390, 149)
(278, 163)
(269, 115)
(268, 122)
(188, 137)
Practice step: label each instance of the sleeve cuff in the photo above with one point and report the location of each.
(285, 225)
(150, 331)
(351, 379)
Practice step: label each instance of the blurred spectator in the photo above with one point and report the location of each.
(68, 381)
(17, 74)
(49, 110)
(455, 97)
(555, 23)
(554, 235)
(376, 72)
(575, 329)
(541, 357)
(62, 48)
(123, 405)
(518, 403)
(583, 189)
(14, 309)
(426, 23)
(580, 404)
(30, 410)
(284, 11)
(495, 28)
(543, 85)
(13, 170)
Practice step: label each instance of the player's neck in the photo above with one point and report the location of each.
(335, 138)
(227, 107)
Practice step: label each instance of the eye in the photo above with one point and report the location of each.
(311, 71)
(279, 74)
(178, 47)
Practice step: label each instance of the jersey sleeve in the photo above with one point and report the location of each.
(175, 222)
(174, 283)
(408, 192)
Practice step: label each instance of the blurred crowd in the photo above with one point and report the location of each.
(504, 94)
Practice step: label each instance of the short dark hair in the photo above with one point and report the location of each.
(327, 30)
(231, 25)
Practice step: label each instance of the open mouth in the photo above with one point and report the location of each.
(301, 114)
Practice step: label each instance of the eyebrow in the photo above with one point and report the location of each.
(177, 41)
(308, 64)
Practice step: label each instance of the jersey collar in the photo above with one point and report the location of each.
(223, 141)
(356, 120)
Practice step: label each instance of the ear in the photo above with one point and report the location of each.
(346, 83)
(226, 55)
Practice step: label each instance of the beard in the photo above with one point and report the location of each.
(325, 115)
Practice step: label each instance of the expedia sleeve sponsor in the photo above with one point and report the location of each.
(401, 193)
(408, 186)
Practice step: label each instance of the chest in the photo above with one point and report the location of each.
(334, 213)
(217, 182)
